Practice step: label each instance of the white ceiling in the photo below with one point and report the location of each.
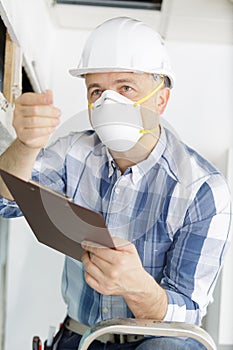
(188, 20)
(88, 17)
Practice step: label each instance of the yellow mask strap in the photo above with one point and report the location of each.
(90, 105)
(148, 131)
(143, 99)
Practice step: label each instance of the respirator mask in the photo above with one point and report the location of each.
(118, 121)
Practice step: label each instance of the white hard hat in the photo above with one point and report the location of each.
(123, 44)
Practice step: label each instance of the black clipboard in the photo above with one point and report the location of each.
(55, 219)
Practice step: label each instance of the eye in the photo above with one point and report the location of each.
(128, 91)
(126, 88)
(96, 93)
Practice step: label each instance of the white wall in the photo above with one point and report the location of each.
(33, 288)
(200, 109)
(201, 106)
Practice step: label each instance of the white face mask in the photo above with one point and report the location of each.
(117, 120)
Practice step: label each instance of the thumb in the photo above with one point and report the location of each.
(49, 96)
(123, 245)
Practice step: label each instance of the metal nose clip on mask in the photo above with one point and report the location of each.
(117, 120)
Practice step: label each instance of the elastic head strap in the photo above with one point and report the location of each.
(148, 131)
(145, 98)
(90, 105)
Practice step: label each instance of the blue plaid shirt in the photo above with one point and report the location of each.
(174, 206)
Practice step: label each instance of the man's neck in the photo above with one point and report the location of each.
(137, 154)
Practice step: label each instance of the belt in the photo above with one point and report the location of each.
(81, 328)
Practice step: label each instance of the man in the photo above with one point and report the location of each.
(167, 208)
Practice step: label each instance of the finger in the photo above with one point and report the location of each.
(93, 283)
(98, 250)
(90, 268)
(34, 134)
(119, 243)
(31, 98)
(103, 265)
(104, 268)
(38, 110)
(107, 257)
(87, 260)
(94, 276)
(123, 245)
(39, 122)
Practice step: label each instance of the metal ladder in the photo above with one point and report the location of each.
(146, 327)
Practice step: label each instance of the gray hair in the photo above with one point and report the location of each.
(167, 82)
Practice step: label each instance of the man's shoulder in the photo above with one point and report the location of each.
(74, 145)
(75, 140)
(186, 163)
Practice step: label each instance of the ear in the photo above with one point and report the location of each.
(162, 99)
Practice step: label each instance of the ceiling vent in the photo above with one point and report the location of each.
(135, 4)
(87, 14)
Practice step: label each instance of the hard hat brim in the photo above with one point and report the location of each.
(81, 72)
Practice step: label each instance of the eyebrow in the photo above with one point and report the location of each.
(93, 85)
(118, 81)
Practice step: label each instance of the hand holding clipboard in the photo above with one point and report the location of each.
(56, 220)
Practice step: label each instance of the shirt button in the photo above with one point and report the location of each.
(105, 310)
(117, 190)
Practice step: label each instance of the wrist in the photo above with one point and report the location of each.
(148, 300)
(26, 147)
(141, 291)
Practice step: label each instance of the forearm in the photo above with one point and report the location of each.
(149, 300)
(18, 159)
